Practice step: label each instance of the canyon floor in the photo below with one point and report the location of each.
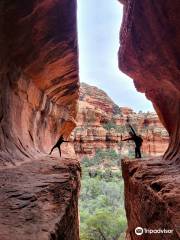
(36, 199)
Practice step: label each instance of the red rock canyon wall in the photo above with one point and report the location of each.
(150, 54)
(39, 75)
(38, 96)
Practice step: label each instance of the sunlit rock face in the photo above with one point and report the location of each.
(38, 95)
(150, 54)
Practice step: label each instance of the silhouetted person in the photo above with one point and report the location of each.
(58, 145)
(137, 140)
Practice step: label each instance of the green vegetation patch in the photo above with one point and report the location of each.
(111, 125)
(102, 212)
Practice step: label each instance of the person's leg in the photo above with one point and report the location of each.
(139, 153)
(52, 150)
(59, 151)
(136, 152)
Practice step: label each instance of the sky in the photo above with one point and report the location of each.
(98, 31)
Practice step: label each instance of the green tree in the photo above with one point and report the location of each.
(102, 215)
(109, 125)
(104, 225)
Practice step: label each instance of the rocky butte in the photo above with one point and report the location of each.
(150, 54)
(101, 124)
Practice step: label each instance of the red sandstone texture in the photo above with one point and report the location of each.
(150, 54)
(40, 200)
(152, 198)
(38, 97)
(97, 112)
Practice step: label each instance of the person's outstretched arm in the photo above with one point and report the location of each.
(132, 129)
(127, 139)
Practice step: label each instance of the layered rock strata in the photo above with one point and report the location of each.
(101, 124)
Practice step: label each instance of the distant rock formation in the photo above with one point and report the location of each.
(102, 124)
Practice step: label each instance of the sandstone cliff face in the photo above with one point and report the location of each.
(101, 123)
(38, 97)
(150, 54)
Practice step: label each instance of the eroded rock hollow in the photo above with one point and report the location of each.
(39, 75)
(38, 95)
(150, 55)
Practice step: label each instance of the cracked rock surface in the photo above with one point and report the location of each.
(152, 197)
(37, 201)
